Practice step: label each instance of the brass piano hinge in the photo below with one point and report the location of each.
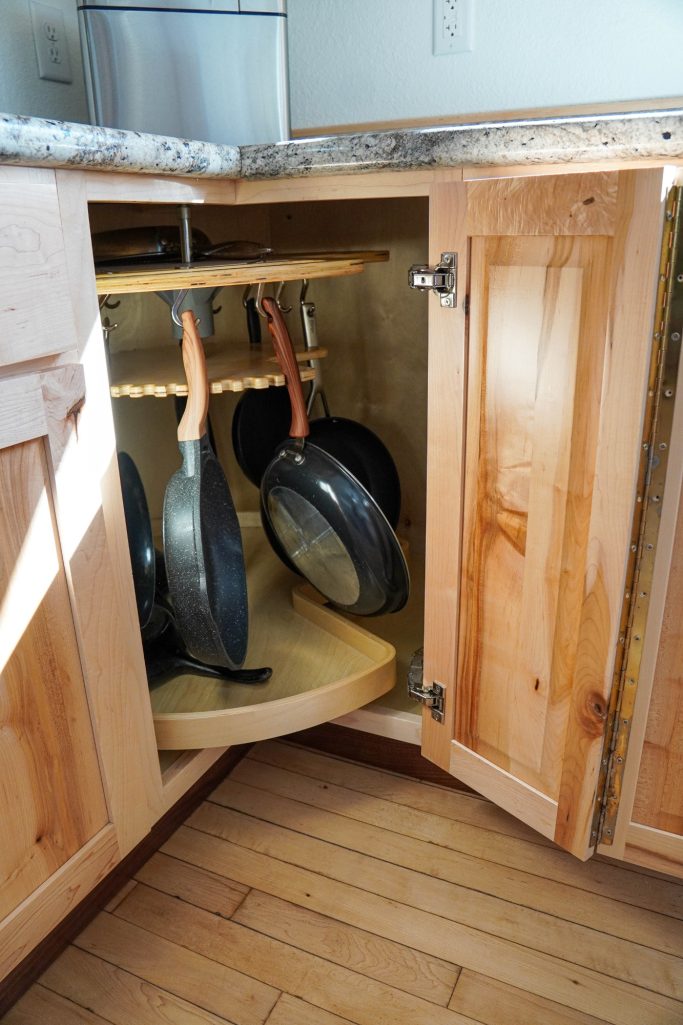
(666, 352)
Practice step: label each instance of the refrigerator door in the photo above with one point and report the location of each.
(213, 70)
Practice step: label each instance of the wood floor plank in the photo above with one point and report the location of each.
(596, 951)
(195, 885)
(333, 988)
(292, 1011)
(363, 952)
(412, 793)
(493, 1003)
(548, 862)
(39, 1006)
(554, 898)
(540, 973)
(119, 996)
(173, 967)
(120, 895)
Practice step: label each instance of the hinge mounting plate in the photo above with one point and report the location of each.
(432, 697)
(442, 279)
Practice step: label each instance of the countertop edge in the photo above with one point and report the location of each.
(646, 135)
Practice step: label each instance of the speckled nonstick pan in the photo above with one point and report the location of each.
(326, 521)
(202, 540)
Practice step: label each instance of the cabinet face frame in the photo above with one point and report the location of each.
(554, 207)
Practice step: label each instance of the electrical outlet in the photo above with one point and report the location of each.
(49, 36)
(453, 28)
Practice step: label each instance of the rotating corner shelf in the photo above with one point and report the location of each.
(161, 277)
(323, 666)
(158, 371)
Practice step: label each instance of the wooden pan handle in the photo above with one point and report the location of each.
(193, 423)
(284, 350)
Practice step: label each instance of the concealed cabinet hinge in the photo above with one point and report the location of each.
(432, 697)
(442, 279)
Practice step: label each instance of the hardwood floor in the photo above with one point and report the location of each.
(309, 890)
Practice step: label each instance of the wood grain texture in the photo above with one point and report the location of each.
(51, 801)
(161, 277)
(545, 975)
(365, 953)
(203, 889)
(119, 996)
(156, 372)
(32, 263)
(92, 526)
(537, 336)
(659, 794)
(323, 666)
(42, 1005)
(379, 185)
(445, 469)
(173, 967)
(655, 849)
(493, 1003)
(278, 965)
(562, 205)
(192, 425)
(292, 1011)
(627, 356)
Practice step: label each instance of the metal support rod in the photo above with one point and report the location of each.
(185, 234)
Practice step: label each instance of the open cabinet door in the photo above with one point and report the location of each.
(536, 403)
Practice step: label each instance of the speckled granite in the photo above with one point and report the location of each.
(655, 135)
(557, 140)
(36, 142)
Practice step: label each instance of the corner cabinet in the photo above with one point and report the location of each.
(539, 389)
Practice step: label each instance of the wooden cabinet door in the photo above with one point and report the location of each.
(536, 408)
(55, 820)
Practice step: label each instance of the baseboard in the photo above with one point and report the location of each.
(49, 949)
(380, 752)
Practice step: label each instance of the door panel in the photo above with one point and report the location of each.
(544, 383)
(51, 795)
(537, 335)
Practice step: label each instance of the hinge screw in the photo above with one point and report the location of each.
(608, 832)
(675, 336)
(668, 392)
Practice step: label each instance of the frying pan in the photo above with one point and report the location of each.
(261, 420)
(326, 521)
(202, 541)
(140, 538)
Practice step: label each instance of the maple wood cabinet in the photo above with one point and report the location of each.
(539, 388)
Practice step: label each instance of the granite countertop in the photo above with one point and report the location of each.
(654, 134)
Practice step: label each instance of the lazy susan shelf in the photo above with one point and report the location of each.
(162, 277)
(159, 371)
(323, 666)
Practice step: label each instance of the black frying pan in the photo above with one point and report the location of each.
(261, 421)
(326, 521)
(140, 538)
(202, 540)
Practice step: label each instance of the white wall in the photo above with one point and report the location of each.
(21, 91)
(371, 60)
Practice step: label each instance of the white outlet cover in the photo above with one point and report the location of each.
(49, 36)
(461, 40)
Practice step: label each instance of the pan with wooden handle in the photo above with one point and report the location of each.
(327, 522)
(202, 540)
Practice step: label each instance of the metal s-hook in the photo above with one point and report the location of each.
(260, 293)
(177, 303)
(278, 298)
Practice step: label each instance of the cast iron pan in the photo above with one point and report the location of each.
(327, 522)
(202, 540)
(140, 539)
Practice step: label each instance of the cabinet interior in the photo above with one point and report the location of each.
(374, 329)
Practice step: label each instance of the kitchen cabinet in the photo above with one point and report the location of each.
(537, 389)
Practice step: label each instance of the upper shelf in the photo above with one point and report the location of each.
(158, 277)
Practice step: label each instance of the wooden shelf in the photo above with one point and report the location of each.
(323, 666)
(159, 371)
(161, 277)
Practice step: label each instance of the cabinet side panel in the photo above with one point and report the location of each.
(51, 798)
